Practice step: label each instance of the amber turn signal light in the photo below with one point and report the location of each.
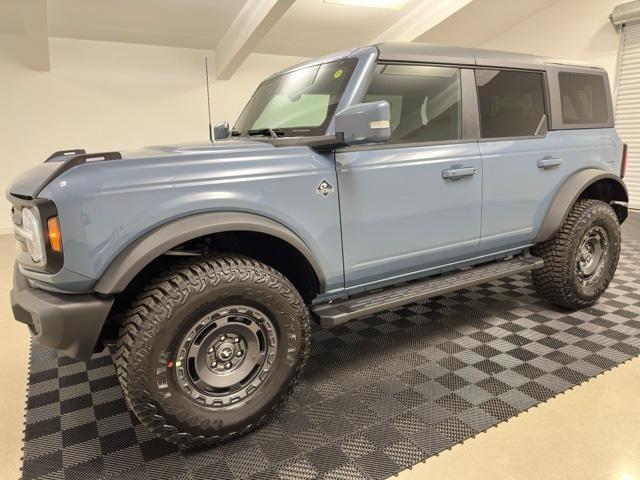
(55, 236)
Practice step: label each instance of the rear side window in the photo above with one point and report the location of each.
(511, 102)
(426, 101)
(584, 98)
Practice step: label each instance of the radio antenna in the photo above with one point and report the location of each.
(206, 73)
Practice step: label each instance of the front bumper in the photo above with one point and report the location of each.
(70, 323)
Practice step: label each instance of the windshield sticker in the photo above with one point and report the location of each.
(338, 73)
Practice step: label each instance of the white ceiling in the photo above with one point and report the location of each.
(311, 27)
(306, 28)
(179, 23)
(464, 28)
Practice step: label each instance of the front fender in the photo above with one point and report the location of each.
(106, 207)
(139, 254)
(572, 188)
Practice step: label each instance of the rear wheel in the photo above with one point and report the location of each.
(211, 348)
(580, 261)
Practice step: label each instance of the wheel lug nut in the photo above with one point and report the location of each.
(214, 364)
(236, 340)
(210, 349)
(227, 365)
(239, 353)
(223, 338)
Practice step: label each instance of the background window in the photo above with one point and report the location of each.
(425, 101)
(584, 99)
(511, 103)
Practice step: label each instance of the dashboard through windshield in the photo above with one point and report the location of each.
(298, 103)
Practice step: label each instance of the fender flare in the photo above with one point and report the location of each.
(568, 193)
(133, 259)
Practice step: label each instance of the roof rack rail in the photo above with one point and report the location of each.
(65, 153)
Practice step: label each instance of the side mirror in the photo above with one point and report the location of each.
(365, 123)
(221, 131)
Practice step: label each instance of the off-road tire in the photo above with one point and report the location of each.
(167, 307)
(558, 281)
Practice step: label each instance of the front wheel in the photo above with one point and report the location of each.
(212, 348)
(579, 262)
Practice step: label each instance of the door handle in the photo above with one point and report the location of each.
(549, 162)
(458, 173)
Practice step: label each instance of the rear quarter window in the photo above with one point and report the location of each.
(584, 98)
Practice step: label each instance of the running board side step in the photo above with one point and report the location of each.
(341, 311)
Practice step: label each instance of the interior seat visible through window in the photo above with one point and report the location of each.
(425, 101)
(511, 102)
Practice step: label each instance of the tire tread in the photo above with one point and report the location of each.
(552, 281)
(154, 306)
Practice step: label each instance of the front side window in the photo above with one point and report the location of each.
(298, 103)
(584, 98)
(425, 101)
(511, 102)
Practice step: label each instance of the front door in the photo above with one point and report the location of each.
(414, 203)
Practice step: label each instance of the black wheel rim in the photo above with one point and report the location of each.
(592, 255)
(226, 356)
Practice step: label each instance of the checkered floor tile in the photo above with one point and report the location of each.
(380, 394)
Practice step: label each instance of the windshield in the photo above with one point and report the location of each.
(298, 103)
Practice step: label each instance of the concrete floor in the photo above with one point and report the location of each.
(592, 431)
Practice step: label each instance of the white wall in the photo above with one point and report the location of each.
(111, 96)
(106, 96)
(571, 29)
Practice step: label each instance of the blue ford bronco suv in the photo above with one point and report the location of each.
(349, 185)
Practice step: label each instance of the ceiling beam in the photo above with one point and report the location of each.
(253, 22)
(421, 19)
(36, 34)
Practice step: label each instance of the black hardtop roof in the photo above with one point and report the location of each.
(427, 52)
(448, 55)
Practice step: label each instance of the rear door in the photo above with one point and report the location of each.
(522, 161)
(415, 202)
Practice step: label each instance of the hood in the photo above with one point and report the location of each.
(219, 147)
(31, 181)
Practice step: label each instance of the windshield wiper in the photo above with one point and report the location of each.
(236, 133)
(273, 132)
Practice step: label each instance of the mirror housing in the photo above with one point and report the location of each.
(365, 123)
(221, 131)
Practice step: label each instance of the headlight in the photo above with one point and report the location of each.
(31, 234)
(38, 235)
